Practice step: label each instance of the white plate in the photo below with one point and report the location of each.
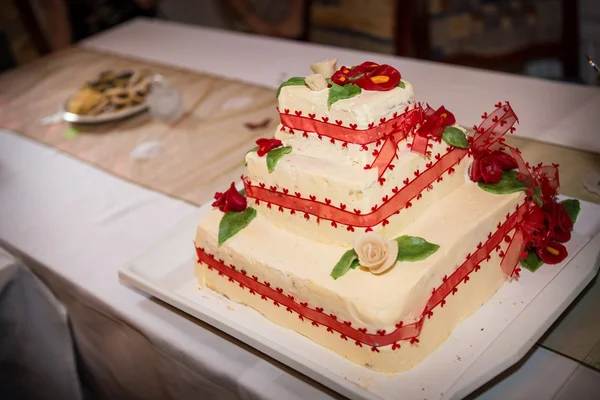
(104, 117)
(497, 336)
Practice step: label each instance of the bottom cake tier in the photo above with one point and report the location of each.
(388, 322)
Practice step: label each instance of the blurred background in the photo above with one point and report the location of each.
(544, 38)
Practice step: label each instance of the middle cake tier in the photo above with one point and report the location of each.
(331, 201)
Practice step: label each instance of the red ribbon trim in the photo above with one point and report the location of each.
(343, 133)
(349, 217)
(402, 332)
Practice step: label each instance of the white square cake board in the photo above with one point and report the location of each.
(494, 338)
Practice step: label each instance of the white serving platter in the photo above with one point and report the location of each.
(494, 338)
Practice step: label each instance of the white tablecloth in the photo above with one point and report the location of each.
(77, 225)
(555, 112)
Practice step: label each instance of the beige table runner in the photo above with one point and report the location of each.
(203, 151)
(200, 153)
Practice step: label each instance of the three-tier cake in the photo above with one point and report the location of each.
(373, 224)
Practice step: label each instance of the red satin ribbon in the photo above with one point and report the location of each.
(349, 217)
(344, 328)
(401, 130)
(335, 130)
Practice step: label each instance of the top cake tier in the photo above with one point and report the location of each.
(358, 98)
(366, 110)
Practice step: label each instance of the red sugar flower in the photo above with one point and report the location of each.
(266, 145)
(488, 166)
(552, 252)
(434, 124)
(368, 76)
(231, 200)
(365, 67)
(340, 78)
(545, 228)
(562, 222)
(538, 227)
(383, 77)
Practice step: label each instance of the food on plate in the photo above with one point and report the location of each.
(111, 91)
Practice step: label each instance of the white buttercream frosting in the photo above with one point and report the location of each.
(363, 109)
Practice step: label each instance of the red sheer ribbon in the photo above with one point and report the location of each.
(401, 130)
(344, 216)
(345, 134)
(421, 139)
(381, 338)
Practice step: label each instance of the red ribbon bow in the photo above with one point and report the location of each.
(432, 127)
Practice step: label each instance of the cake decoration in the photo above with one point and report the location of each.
(341, 92)
(372, 180)
(237, 214)
(489, 166)
(275, 155)
(433, 125)
(375, 252)
(316, 82)
(293, 81)
(273, 149)
(230, 200)
(325, 68)
(508, 182)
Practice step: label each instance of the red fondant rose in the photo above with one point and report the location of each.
(488, 167)
(231, 200)
(266, 145)
(562, 222)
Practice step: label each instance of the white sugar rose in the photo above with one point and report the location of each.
(316, 82)
(376, 252)
(325, 68)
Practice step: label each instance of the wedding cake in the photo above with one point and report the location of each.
(373, 224)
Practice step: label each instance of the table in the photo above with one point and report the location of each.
(74, 225)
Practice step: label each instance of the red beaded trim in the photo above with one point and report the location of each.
(392, 204)
(361, 337)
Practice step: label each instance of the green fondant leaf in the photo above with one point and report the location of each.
(573, 208)
(232, 222)
(275, 155)
(337, 92)
(355, 264)
(532, 262)
(507, 184)
(413, 248)
(455, 137)
(348, 260)
(294, 81)
(401, 85)
(252, 150)
(536, 195)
